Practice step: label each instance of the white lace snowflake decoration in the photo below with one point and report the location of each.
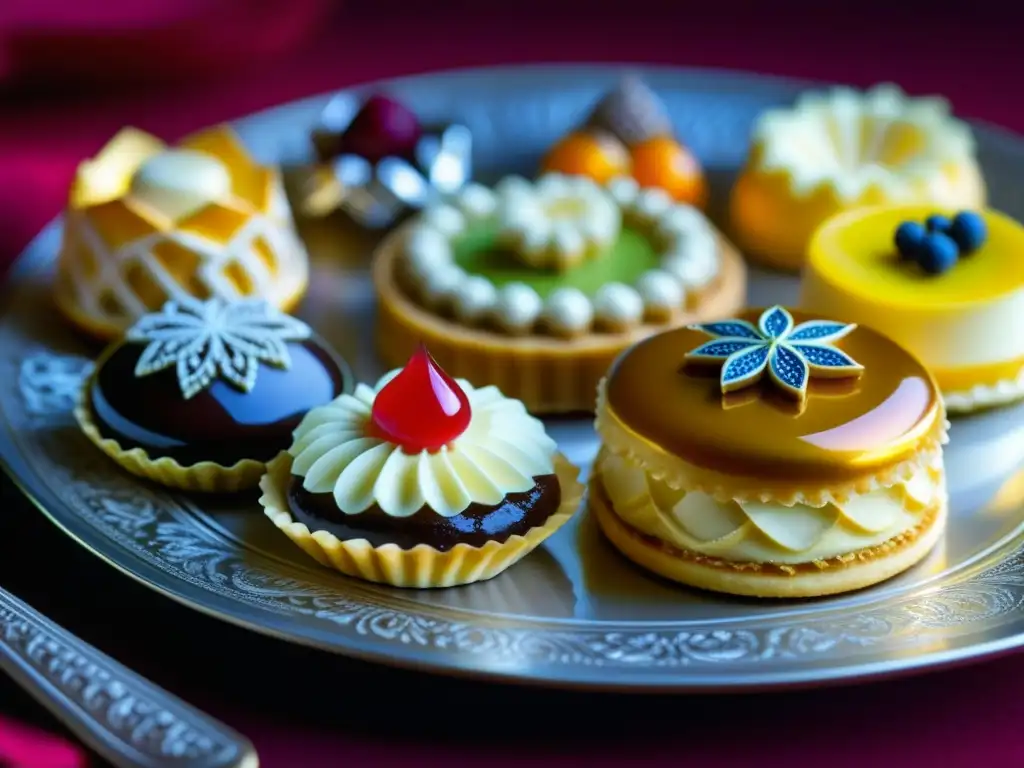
(206, 339)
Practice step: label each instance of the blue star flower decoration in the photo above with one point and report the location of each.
(791, 354)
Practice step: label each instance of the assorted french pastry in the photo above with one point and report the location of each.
(840, 150)
(376, 162)
(535, 287)
(628, 133)
(420, 481)
(201, 394)
(146, 224)
(777, 454)
(946, 284)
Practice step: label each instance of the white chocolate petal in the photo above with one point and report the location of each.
(397, 490)
(320, 475)
(443, 488)
(705, 519)
(871, 513)
(625, 484)
(796, 529)
(354, 487)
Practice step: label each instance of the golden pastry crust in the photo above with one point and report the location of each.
(766, 580)
(548, 374)
(422, 566)
(848, 437)
(124, 254)
(662, 465)
(204, 476)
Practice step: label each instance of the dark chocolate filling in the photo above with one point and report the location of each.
(478, 524)
(221, 423)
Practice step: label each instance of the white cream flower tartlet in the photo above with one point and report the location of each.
(522, 213)
(842, 149)
(854, 141)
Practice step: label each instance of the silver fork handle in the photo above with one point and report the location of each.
(126, 719)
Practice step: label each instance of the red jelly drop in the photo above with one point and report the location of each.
(382, 128)
(422, 408)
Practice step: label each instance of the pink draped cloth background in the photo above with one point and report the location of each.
(72, 73)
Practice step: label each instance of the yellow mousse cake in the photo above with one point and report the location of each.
(840, 150)
(146, 224)
(777, 454)
(964, 319)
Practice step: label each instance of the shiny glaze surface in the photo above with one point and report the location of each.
(477, 525)
(221, 423)
(856, 251)
(845, 428)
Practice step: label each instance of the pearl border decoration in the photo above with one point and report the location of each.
(684, 238)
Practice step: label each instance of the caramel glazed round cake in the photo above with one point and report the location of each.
(772, 455)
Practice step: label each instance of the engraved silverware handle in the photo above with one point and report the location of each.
(126, 719)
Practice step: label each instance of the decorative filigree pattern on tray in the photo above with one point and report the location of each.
(164, 531)
(136, 524)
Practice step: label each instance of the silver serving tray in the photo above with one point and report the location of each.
(574, 613)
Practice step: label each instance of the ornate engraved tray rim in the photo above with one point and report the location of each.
(971, 613)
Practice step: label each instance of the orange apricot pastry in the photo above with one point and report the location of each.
(664, 162)
(628, 133)
(598, 155)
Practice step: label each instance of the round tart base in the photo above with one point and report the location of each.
(829, 577)
(985, 396)
(204, 476)
(549, 374)
(421, 567)
(105, 332)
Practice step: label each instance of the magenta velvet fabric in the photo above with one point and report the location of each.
(65, 88)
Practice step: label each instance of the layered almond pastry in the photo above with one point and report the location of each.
(200, 395)
(146, 224)
(535, 287)
(774, 455)
(965, 321)
(839, 150)
(420, 481)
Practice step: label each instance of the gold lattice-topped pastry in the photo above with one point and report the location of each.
(147, 223)
(776, 454)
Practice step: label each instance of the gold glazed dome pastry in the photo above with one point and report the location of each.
(947, 285)
(420, 481)
(377, 163)
(536, 286)
(200, 395)
(777, 454)
(840, 150)
(147, 224)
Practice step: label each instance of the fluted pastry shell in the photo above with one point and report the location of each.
(122, 257)
(203, 476)
(422, 566)
(548, 374)
(677, 473)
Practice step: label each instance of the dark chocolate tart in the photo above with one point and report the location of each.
(212, 433)
(376, 554)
